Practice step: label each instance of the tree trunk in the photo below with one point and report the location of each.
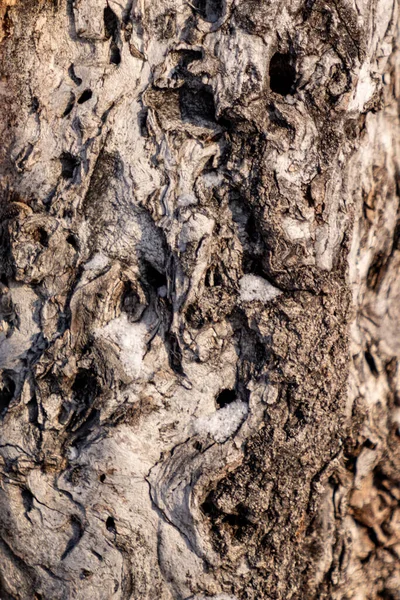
(199, 302)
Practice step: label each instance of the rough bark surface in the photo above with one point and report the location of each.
(199, 301)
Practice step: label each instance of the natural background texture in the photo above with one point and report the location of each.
(200, 300)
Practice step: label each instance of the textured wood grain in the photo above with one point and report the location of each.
(199, 335)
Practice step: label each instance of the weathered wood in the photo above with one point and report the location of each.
(199, 303)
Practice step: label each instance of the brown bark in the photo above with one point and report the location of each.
(199, 300)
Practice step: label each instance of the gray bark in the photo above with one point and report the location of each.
(199, 336)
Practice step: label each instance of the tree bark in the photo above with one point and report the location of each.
(199, 303)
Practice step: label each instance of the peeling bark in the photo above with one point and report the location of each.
(200, 380)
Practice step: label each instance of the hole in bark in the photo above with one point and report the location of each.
(115, 54)
(35, 104)
(253, 264)
(174, 353)
(194, 316)
(85, 96)
(41, 236)
(102, 478)
(69, 164)
(111, 24)
(388, 595)
(213, 278)
(77, 533)
(308, 196)
(27, 499)
(188, 56)
(369, 444)
(371, 363)
(70, 105)
(110, 525)
(350, 463)
(85, 387)
(197, 104)
(252, 229)
(7, 391)
(153, 277)
(63, 414)
(282, 74)
(225, 397)
(142, 120)
(33, 411)
(210, 168)
(72, 241)
(67, 213)
(209, 10)
(71, 72)
(85, 574)
(302, 414)
(130, 302)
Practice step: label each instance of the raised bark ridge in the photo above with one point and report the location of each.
(199, 321)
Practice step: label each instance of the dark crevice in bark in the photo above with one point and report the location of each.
(282, 74)
(78, 531)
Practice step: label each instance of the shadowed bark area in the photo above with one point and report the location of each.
(199, 300)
